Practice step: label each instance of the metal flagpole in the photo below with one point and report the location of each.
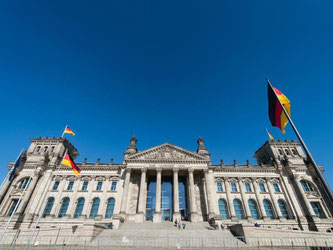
(64, 131)
(307, 151)
(9, 172)
(43, 206)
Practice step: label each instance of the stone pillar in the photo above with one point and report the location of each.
(274, 200)
(260, 205)
(5, 187)
(244, 200)
(193, 205)
(176, 214)
(27, 195)
(125, 192)
(230, 201)
(157, 215)
(142, 196)
(210, 193)
(308, 206)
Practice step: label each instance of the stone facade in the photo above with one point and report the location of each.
(168, 183)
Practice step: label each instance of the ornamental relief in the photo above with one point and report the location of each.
(166, 154)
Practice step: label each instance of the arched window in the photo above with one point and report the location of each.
(79, 207)
(110, 208)
(283, 209)
(294, 151)
(64, 207)
(94, 208)
(280, 152)
(238, 209)
(38, 149)
(253, 209)
(48, 207)
(269, 209)
(223, 209)
(52, 148)
(46, 148)
(307, 187)
(24, 183)
(287, 151)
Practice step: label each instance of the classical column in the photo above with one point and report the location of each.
(274, 200)
(210, 193)
(193, 205)
(244, 200)
(176, 214)
(260, 205)
(27, 195)
(308, 206)
(157, 215)
(141, 206)
(125, 192)
(230, 202)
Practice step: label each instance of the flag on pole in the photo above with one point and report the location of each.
(68, 131)
(68, 161)
(276, 114)
(17, 163)
(270, 135)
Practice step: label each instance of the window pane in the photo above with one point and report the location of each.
(110, 208)
(223, 209)
(12, 207)
(283, 209)
(238, 209)
(262, 187)
(269, 209)
(70, 185)
(113, 186)
(99, 185)
(248, 187)
(305, 186)
(317, 209)
(94, 208)
(276, 187)
(233, 187)
(56, 185)
(219, 187)
(48, 207)
(253, 209)
(79, 208)
(85, 185)
(64, 207)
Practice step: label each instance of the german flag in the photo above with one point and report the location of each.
(69, 131)
(68, 161)
(276, 114)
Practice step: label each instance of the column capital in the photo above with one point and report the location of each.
(190, 170)
(159, 170)
(175, 170)
(143, 170)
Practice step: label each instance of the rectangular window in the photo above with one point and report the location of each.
(99, 185)
(248, 187)
(56, 185)
(276, 187)
(219, 187)
(262, 187)
(12, 207)
(85, 185)
(233, 187)
(70, 185)
(317, 209)
(113, 186)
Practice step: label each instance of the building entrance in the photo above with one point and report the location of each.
(166, 199)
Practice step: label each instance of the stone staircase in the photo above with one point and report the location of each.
(165, 234)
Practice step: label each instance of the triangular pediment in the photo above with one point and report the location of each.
(167, 152)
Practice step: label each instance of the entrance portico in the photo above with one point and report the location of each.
(167, 183)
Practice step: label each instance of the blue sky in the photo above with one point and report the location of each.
(166, 71)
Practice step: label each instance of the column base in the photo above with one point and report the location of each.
(194, 217)
(211, 216)
(176, 216)
(157, 217)
(140, 217)
(234, 218)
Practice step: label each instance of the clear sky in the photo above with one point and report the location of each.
(166, 71)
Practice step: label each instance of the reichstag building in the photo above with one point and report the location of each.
(165, 183)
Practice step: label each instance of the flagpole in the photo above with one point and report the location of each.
(64, 131)
(307, 151)
(43, 205)
(9, 172)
